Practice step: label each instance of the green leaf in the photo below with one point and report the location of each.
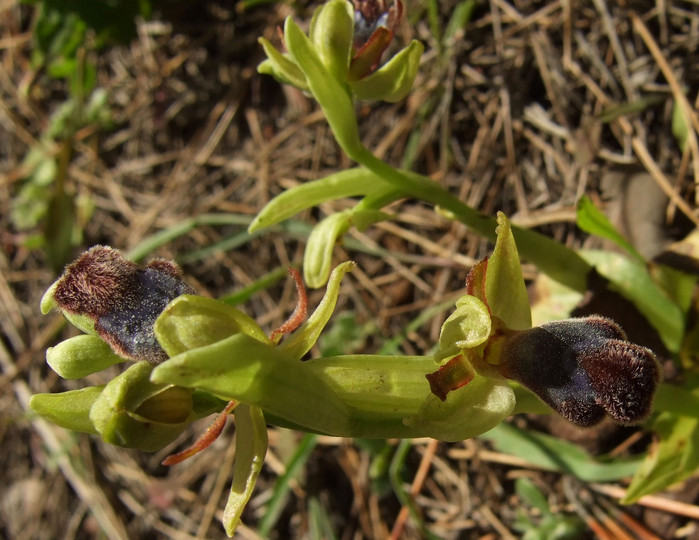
(70, 410)
(673, 456)
(348, 183)
(504, 284)
(530, 494)
(632, 281)
(250, 450)
(555, 454)
(80, 356)
(680, 128)
(363, 219)
(591, 220)
(189, 322)
(394, 80)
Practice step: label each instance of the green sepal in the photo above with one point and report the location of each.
(190, 322)
(317, 258)
(467, 412)
(243, 369)
(69, 410)
(331, 33)
(504, 284)
(250, 450)
(132, 412)
(301, 341)
(394, 80)
(376, 387)
(80, 356)
(281, 67)
(347, 183)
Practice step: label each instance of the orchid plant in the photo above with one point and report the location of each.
(192, 356)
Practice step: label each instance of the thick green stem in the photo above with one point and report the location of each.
(556, 260)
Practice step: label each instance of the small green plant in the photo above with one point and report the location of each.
(548, 525)
(66, 35)
(193, 355)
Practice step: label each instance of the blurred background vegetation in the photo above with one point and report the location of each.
(144, 125)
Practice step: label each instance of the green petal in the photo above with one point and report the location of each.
(119, 414)
(466, 328)
(332, 96)
(348, 183)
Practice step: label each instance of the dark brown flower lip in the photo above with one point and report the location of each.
(584, 369)
(122, 298)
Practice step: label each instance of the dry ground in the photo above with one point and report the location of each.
(506, 115)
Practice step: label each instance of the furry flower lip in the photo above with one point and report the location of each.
(119, 298)
(584, 369)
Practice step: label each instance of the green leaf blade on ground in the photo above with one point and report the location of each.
(634, 283)
(673, 457)
(555, 454)
(591, 220)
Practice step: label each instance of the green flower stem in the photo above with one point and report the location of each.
(554, 259)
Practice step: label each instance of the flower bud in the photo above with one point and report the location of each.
(104, 293)
(331, 33)
(583, 369)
